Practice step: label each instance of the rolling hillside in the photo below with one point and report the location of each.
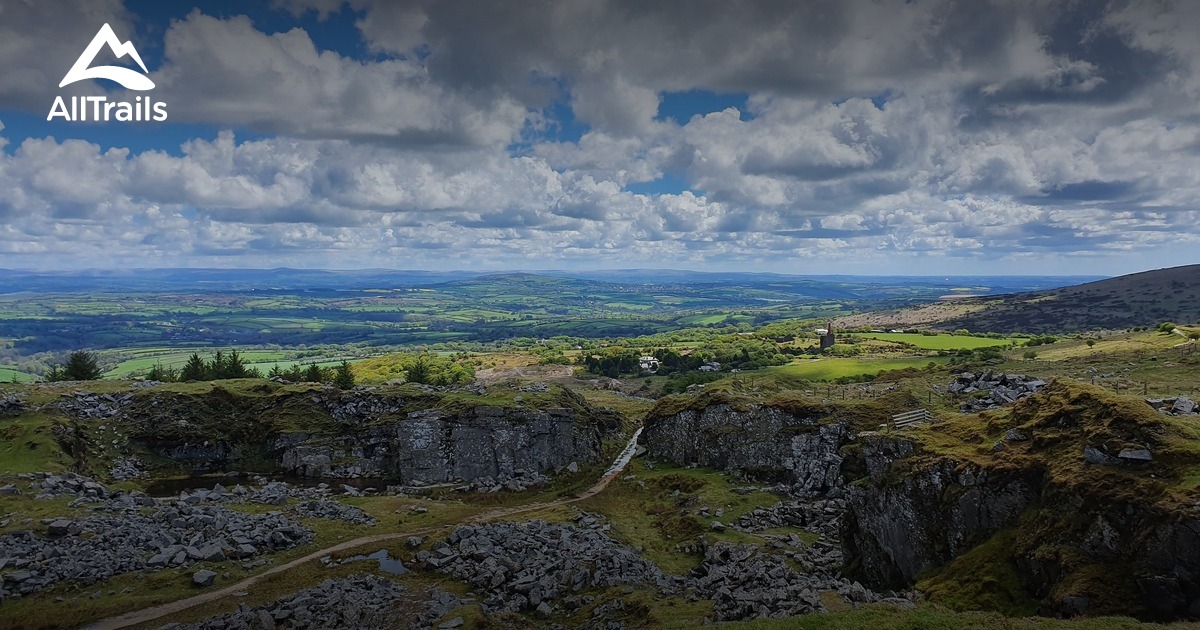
(1140, 299)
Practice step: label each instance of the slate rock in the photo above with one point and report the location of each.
(204, 577)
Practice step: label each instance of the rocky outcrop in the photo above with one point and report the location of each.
(411, 433)
(435, 447)
(1077, 549)
(764, 441)
(991, 390)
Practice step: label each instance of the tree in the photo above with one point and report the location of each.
(1194, 335)
(314, 374)
(163, 374)
(54, 374)
(194, 369)
(419, 371)
(275, 372)
(343, 377)
(216, 367)
(81, 366)
(1167, 327)
(1091, 343)
(234, 366)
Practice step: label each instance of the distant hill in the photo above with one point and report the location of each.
(1140, 299)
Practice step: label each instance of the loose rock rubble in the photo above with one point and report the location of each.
(356, 601)
(50, 486)
(822, 516)
(11, 404)
(126, 468)
(1002, 389)
(334, 510)
(540, 567)
(527, 566)
(85, 405)
(1179, 406)
(95, 548)
(745, 584)
(522, 480)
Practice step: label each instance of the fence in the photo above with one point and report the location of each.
(907, 419)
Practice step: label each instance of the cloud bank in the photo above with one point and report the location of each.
(886, 137)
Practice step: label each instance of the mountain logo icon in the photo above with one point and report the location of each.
(126, 77)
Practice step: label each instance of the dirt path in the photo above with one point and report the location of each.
(150, 614)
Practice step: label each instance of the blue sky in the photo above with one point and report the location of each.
(813, 137)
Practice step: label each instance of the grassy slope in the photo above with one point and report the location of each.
(1141, 299)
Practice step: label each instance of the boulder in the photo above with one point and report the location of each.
(1137, 456)
(1093, 455)
(204, 577)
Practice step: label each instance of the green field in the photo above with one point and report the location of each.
(830, 369)
(937, 342)
(266, 366)
(172, 358)
(8, 375)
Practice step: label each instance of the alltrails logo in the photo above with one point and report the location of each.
(99, 107)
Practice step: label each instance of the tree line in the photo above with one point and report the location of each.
(83, 366)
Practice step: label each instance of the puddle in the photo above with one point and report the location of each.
(387, 564)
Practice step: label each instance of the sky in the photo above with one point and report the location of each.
(814, 137)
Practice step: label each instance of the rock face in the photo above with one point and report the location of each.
(766, 441)
(920, 511)
(899, 525)
(414, 434)
(434, 447)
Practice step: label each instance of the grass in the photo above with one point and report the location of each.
(13, 375)
(832, 369)
(933, 617)
(644, 514)
(984, 578)
(27, 445)
(937, 342)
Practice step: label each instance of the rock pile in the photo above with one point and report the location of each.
(95, 548)
(744, 584)
(520, 481)
(268, 493)
(1001, 389)
(84, 405)
(1179, 406)
(335, 511)
(528, 566)
(356, 601)
(823, 516)
(51, 486)
(11, 404)
(126, 468)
